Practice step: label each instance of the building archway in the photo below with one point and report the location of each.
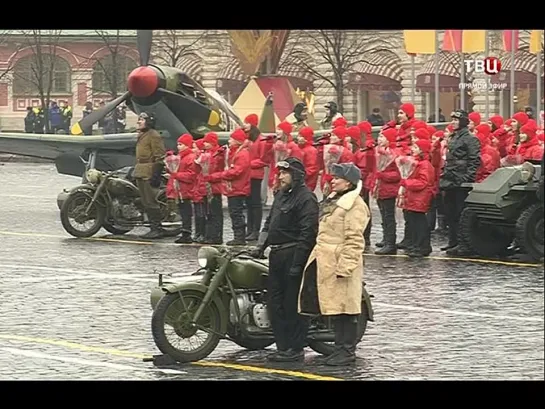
(110, 75)
(449, 83)
(31, 73)
(292, 65)
(525, 80)
(231, 81)
(192, 65)
(376, 83)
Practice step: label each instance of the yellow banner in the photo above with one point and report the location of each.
(420, 41)
(473, 41)
(536, 44)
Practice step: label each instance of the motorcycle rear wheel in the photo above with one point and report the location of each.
(179, 321)
(71, 200)
(327, 348)
(117, 230)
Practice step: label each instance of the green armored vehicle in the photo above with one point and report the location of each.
(504, 208)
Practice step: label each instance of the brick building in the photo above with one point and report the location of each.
(383, 80)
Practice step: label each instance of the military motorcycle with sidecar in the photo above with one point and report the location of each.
(227, 299)
(110, 200)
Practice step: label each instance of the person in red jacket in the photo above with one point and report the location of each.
(284, 147)
(495, 122)
(236, 184)
(417, 199)
(488, 165)
(305, 140)
(353, 142)
(474, 121)
(335, 152)
(387, 178)
(214, 222)
(529, 147)
(186, 176)
(254, 203)
(406, 120)
(486, 145)
(200, 199)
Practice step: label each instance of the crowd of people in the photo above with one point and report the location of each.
(315, 262)
(411, 166)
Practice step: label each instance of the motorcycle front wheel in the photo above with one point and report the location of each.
(327, 348)
(73, 210)
(171, 324)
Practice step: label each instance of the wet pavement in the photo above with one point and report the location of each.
(79, 309)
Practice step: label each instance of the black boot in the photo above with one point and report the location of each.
(156, 232)
(239, 239)
(347, 351)
(379, 244)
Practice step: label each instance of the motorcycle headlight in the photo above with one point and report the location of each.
(93, 175)
(206, 257)
(527, 172)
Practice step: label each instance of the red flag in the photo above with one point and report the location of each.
(453, 41)
(508, 44)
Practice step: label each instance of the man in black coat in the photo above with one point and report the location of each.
(463, 160)
(290, 230)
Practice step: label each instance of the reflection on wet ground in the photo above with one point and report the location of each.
(79, 309)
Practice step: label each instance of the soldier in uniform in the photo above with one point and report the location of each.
(150, 153)
(332, 114)
(298, 118)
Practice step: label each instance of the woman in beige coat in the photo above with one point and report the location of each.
(333, 276)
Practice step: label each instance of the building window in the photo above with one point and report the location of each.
(32, 75)
(110, 74)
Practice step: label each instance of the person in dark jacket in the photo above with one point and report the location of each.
(55, 118)
(88, 110)
(30, 118)
(462, 162)
(375, 119)
(290, 230)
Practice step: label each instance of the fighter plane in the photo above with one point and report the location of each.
(179, 103)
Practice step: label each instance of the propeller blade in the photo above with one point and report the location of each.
(95, 116)
(144, 39)
(202, 112)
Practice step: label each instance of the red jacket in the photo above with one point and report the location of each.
(186, 176)
(217, 164)
(387, 181)
(531, 149)
(310, 160)
(199, 191)
(236, 178)
(490, 159)
(404, 137)
(436, 158)
(346, 157)
(504, 141)
(365, 160)
(258, 150)
(419, 187)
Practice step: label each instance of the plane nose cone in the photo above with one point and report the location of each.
(143, 82)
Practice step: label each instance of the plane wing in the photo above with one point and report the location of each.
(51, 146)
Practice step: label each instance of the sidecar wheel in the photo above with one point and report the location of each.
(73, 206)
(327, 348)
(173, 316)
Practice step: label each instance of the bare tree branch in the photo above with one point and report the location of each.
(342, 51)
(37, 73)
(169, 49)
(110, 71)
(6, 37)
